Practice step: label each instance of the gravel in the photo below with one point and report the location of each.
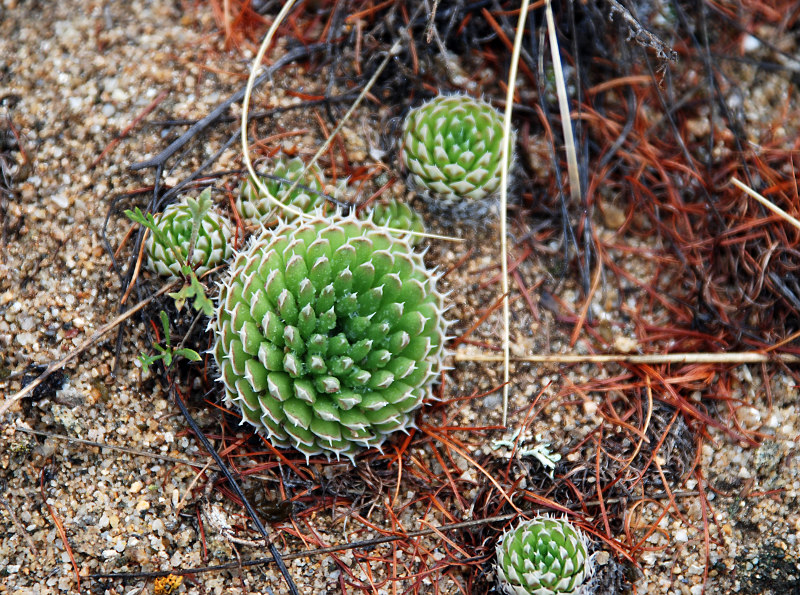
(74, 76)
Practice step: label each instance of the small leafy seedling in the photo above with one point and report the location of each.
(195, 290)
(543, 556)
(167, 353)
(452, 147)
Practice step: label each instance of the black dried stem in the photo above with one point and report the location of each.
(273, 550)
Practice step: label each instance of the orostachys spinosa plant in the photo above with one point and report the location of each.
(452, 149)
(256, 205)
(191, 232)
(329, 334)
(397, 215)
(385, 212)
(543, 556)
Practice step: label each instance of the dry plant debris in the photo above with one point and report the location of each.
(684, 473)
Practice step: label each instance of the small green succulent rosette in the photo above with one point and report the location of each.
(329, 334)
(256, 207)
(398, 215)
(452, 148)
(385, 212)
(543, 556)
(166, 254)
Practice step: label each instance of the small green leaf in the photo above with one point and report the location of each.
(189, 354)
(166, 354)
(147, 220)
(195, 290)
(165, 326)
(148, 360)
(198, 207)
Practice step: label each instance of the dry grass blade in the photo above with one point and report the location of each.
(505, 164)
(771, 206)
(60, 528)
(563, 106)
(262, 50)
(745, 357)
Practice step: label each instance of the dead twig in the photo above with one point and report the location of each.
(59, 528)
(771, 206)
(196, 128)
(276, 555)
(19, 527)
(642, 35)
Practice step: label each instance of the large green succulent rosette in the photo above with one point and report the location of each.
(329, 334)
(452, 149)
(543, 556)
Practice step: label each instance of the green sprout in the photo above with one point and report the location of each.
(259, 204)
(188, 232)
(167, 353)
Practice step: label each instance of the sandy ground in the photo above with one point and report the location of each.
(74, 75)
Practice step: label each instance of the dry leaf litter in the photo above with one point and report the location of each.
(74, 76)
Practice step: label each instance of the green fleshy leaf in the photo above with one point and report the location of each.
(270, 356)
(296, 272)
(256, 374)
(346, 305)
(329, 431)
(304, 390)
(360, 349)
(287, 307)
(327, 384)
(363, 276)
(273, 329)
(306, 321)
(298, 413)
(293, 339)
(321, 273)
(280, 386)
(326, 299)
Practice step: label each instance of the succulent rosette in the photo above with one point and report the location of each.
(543, 556)
(385, 212)
(329, 334)
(166, 254)
(398, 215)
(255, 206)
(452, 148)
